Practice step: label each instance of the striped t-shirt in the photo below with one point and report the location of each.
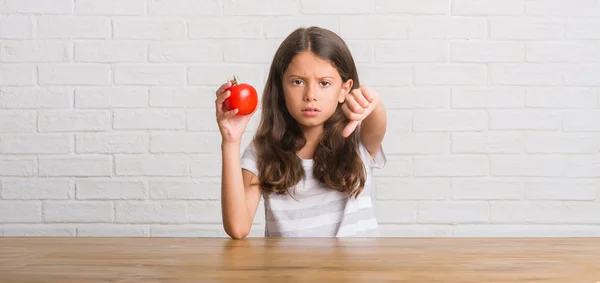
(316, 211)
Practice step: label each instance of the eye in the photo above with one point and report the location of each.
(325, 84)
(296, 82)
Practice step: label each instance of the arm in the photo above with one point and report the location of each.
(240, 193)
(373, 128)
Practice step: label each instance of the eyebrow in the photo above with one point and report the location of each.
(324, 77)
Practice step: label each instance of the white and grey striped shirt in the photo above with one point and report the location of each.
(318, 211)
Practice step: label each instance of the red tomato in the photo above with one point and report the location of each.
(243, 97)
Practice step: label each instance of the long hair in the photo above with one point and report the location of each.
(336, 161)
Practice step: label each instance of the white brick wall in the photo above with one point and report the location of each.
(107, 119)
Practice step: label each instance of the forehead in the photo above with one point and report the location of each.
(310, 65)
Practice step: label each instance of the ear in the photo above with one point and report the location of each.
(346, 88)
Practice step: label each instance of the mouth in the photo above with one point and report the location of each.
(311, 109)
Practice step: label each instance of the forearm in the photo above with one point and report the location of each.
(234, 208)
(374, 126)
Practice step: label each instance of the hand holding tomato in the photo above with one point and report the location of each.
(235, 105)
(358, 104)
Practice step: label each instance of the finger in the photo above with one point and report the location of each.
(229, 114)
(350, 128)
(353, 105)
(222, 88)
(221, 99)
(367, 93)
(361, 99)
(351, 115)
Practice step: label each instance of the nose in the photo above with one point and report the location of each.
(310, 93)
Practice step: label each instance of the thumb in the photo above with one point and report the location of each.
(350, 128)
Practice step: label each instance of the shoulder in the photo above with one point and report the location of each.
(250, 158)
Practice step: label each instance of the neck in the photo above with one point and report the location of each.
(312, 139)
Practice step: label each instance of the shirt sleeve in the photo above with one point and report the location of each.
(249, 159)
(378, 161)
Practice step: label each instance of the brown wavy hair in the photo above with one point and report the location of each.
(337, 162)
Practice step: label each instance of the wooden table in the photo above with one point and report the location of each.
(148, 260)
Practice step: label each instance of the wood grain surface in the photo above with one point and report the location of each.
(79, 260)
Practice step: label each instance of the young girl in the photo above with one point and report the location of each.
(313, 154)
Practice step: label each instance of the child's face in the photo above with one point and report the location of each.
(312, 89)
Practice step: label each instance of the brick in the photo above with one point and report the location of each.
(362, 51)
(545, 212)
(487, 142)
(415, 97)
(17, 75)
(37, 7)
(442, 27)
(74, 121)
(112, 230)
(411, 230)
(581, 120)
(279, 27)
(257, 8)
(112, 142)
(369, 27)
(152, 165)
(35, 97)
(562, 97)
(188, 51)
(336, 7)
(562, 8)
(184, 7)
(151, 212)
(148, 28)
(487, 7)
(216, 75)
(582, 165)
(21, 121)
(205, 121)
(176, 97)
(563, 52)
(413, 189)
(527, 166)
(110, 7)
(562, 143)
(454, 212)
(110, 189)
(202, 189)
(20, 212)
(75, 166)
(411, 51)
(149, 74)
(111, 97)
(16, 27)
(412, 7)
(450, 74)
(74, 74)
(396, 212)
(560, 189)
(111, 51)
(254, 51)
(78, 211)
(184, 142)
(30, 189)
(35, 51)
(208, 212)
(451, 166)
(487, 189)
(207, 164)
(159, 119)
(582, 75)
(382, 75)
(488, 97)
(403, 120)
(525, 74)
(397, 166)
(225, 28)
(198, 230)
(442, 120)
(17, 166)
(37, 144)
(487, 51)
(73, 27)
(582, 29)
(525, 230)
(524, 119)
(525, 28)
(417, 143)
(39, 230)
